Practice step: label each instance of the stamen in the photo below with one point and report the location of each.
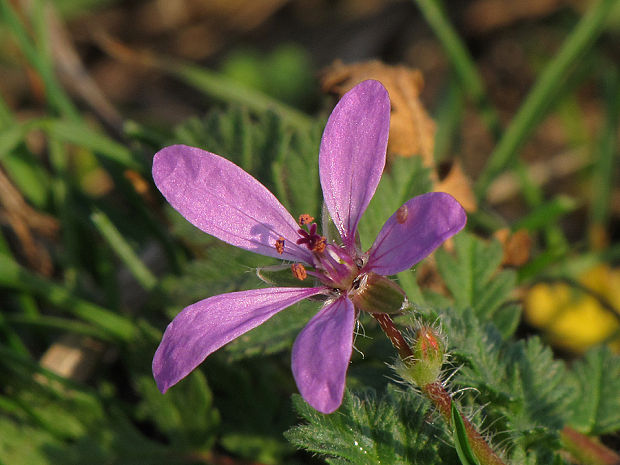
(401, 214)
(280, 245)
(319, 244)
(299, 271)
(305, 219)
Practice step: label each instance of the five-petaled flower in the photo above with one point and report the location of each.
(223, 200)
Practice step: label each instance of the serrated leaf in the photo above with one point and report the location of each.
(507, 319)
(472, 274)
(539, 383)
(370, 431)
(597, 406)
(478, 348)
(524, 390)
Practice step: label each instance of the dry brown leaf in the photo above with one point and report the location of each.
(456, 183)
(73, 356)
(517, 246)
(412, 131)
(24, 221)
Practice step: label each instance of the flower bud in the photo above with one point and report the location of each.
(377, 294)
(428, 353)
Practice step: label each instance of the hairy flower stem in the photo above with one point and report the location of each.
(436, 393)
(395, 336)
(587, 450)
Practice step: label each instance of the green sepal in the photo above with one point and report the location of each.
(377, 294)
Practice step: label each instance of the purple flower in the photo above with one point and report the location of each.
(223, 200)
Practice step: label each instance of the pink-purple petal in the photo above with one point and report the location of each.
(417, 228)
(220, 198)
(321, 355)
(352, 154)
(207, 325)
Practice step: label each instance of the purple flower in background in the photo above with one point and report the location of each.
(223, 200)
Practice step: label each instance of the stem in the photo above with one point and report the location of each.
(394, 335)
(436, 393)
(586, 449)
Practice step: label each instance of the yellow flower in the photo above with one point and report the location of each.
(575, 320)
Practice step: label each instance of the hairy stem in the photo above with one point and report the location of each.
(587, 450)
(437, 394)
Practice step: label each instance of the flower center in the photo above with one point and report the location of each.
(333, 265)
(314, 241)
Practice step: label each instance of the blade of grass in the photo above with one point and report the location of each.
(461, 443)
(546, 214)
(543, 92)
(461, 60)
(11, 337)
(606, 151)
(123, 250)
(65, 207)
(55, 93)
(216, 86)
(78, 133)
(14, 276)
(59, 323)
(6, 117)
(448, 118)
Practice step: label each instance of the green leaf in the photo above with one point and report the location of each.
(123, 250)
(473, 278)
(543, 395)
(544, 91)
(84, 136)
(221, 88)
(23, 443)
(546, 214)
(461, 442)
(13, 276)
(523, 389)
(185, 414)
(28, 174)
(367, 430)
(253, 398)
(596, 408)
